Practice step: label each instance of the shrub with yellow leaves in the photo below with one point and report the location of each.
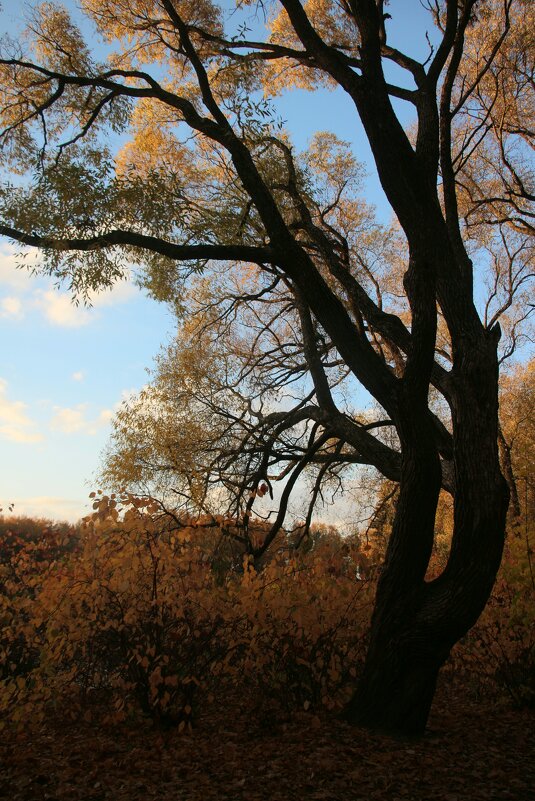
(139, 610)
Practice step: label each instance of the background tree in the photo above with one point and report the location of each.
(206, 175)
(238, 368)
(517, 437)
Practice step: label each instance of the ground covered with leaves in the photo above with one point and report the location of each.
(472, 752)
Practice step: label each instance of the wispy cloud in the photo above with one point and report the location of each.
(13, 276)
(15, 424)
(28, 291)
(79, 375)
(11, 308)
(59, 309)
(76, 420)
(121, 292)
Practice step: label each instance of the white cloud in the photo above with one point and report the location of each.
(131, 394)
(15, 280)
(121, 292)
(11, 308)
(59, 309)
(79, 375)
(15, 425)
(69, 420)
(75, 419)
(105, 417)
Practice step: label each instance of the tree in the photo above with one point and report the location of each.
(516, 437)
(203, 436)
(208, 177)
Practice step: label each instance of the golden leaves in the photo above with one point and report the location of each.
(144, 27)
(138, 610)
(494, 124)
(328, 19)
(153, 145)
(56, 40)
(333, 25)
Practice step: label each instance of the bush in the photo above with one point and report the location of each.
(146, 611)
(141, 612)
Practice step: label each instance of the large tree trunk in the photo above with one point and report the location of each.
(416, 623)
(397, 686)
(412, 634)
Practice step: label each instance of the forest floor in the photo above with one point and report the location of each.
(472, 752)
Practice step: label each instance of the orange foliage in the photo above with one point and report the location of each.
(141, 611)
(499, 652)
(151, 611)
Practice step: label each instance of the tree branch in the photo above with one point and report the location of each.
(177, 252)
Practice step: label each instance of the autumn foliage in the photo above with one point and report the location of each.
(155, 615)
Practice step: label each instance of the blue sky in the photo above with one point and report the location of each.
(65, 369)
(63, 372)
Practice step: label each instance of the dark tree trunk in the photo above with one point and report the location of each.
(416, 623)
(397, 686)
(411, 636)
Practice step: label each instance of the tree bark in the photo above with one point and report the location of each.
(397, 686)
(416, 623)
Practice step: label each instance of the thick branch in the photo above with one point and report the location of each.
(255, 255)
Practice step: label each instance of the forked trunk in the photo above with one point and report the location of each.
(416, 623)
(412, 638)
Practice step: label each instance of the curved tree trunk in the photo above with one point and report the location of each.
(416, 623)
